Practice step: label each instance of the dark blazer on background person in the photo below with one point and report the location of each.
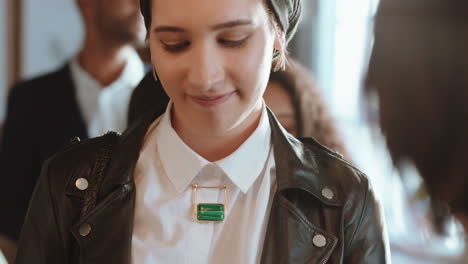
(42, 116)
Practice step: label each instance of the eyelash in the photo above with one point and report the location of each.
(175, 47)
(179, 47)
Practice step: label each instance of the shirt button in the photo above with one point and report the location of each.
(82, 184)
(84, 229)
(327, 193)
(319, 241)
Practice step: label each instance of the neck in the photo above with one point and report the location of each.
(103, 59)
(213, 143)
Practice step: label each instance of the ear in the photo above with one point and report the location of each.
(280, 40)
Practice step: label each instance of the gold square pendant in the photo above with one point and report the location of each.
(212, 212)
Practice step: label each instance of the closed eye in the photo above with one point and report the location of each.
(233, 43)
(181, 46)
(177, 47)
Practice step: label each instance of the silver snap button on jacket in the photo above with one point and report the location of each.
(319, 241)
(327, 193)
(82, 184)
(84, 230)
(339, 154)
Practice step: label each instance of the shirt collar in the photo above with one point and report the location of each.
(242, 167)
(133, 72)
(131, 75)
(84, 82)
(89, 92)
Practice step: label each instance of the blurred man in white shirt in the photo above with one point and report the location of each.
(85, 98)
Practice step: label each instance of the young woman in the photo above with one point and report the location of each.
(418, 69)
(213, 179)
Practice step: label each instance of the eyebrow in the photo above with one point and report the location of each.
(230, 24)
(168, 29)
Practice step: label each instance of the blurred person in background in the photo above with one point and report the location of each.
(295, 99)
(419, 72)
(87, 97)
(2, 259)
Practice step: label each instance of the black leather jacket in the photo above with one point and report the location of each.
(318, 196)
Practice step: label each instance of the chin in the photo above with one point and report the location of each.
(220, 120)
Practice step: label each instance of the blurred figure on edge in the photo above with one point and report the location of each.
(86, 97)
(295, 99)
(419, 72)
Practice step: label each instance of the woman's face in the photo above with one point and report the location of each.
(280, 103)
(213, 58)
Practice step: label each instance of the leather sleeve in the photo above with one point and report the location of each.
(40, 241)
(369, 243)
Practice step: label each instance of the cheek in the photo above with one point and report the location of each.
(250, 68)
(167, 69)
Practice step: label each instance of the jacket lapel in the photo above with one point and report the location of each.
(291, 237)
(61, 117)
(108, 227)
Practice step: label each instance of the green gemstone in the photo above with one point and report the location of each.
(210, 212)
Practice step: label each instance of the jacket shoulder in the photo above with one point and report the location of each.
(328, 155)
(346, 181)
(77, 160)
(44, 81)
(41, 91)
(81, 151)
(353, 193)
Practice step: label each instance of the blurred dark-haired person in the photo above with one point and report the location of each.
(86, 97)
(295, 99)
(419, 72)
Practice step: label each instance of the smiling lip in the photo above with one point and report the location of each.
(208, 101)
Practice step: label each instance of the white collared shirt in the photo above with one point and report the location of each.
(106, 108)
(165, 229)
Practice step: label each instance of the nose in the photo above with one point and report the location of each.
(206, 67)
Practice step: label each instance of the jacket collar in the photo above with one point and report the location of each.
(297, 166)
(296, 163)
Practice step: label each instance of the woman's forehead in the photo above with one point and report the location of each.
(186, 13)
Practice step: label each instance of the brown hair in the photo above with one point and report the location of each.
(419, 70)
(312, 115)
